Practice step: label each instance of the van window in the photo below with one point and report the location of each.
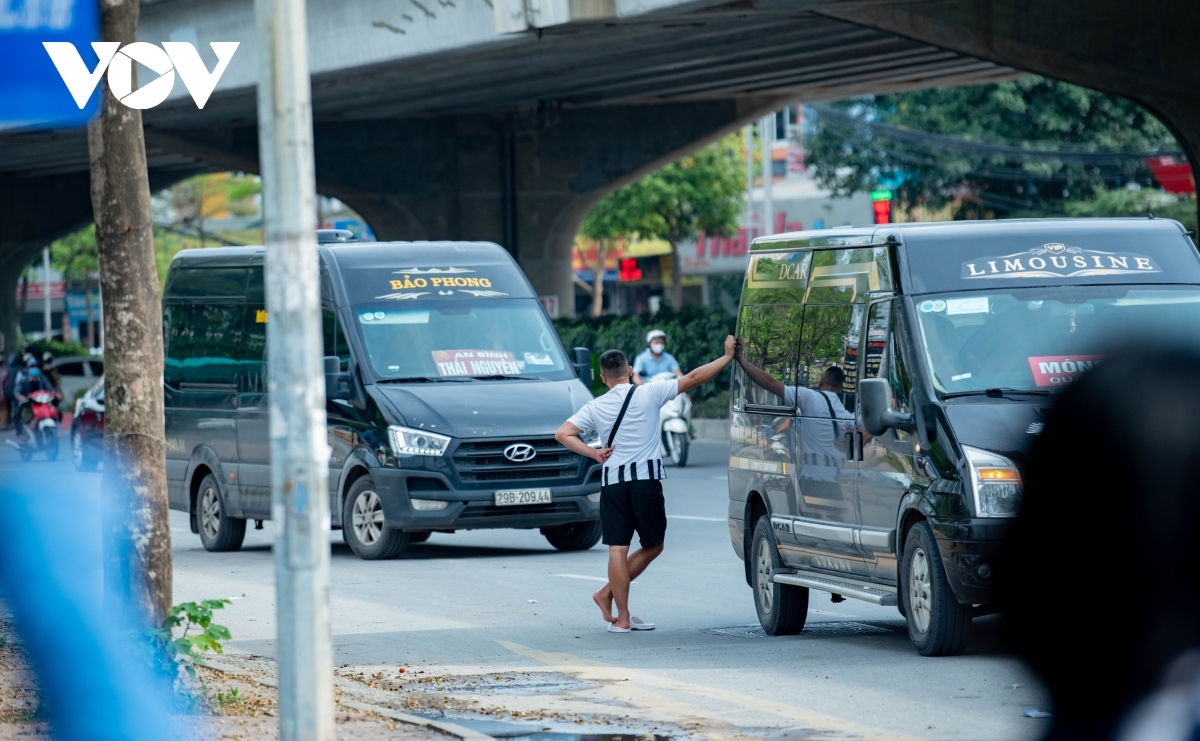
(830, 336)
(1038, 339)
(203, 343)
(334, 338)
(457, 339)
(770, 336)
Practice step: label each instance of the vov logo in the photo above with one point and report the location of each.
(117, 60)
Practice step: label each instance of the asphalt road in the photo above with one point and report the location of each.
(504, 624)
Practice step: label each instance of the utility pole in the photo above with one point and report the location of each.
(299, 453)
(768, 167)
(47, 321)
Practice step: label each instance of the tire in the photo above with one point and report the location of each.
(420, 537)
(217, 531)
(782, 608)
(82, 455)
(937, 624)
(49, 442)
(575, 536)
(363, 525)
(676, 444)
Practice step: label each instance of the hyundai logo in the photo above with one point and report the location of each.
(520, 452)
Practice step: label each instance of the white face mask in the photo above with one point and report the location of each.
(657, 348)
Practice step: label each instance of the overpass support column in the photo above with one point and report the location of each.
(525, 181)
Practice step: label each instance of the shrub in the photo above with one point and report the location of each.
(695, 335)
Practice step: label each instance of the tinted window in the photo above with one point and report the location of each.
(770, 338)
(202, 343)
(334, 339)
(208, 282)
(70, 368)
(830, 336)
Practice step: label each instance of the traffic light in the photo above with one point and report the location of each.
(629, 270)
(881, 204)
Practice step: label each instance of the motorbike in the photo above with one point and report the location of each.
(41, 435)
(675, 426)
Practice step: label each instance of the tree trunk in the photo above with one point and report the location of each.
(136, 527)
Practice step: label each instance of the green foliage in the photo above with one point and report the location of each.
(228, 697)
(188, 633)
(694, 336)
(703, 191)
(1021, 145)
(1139, 202)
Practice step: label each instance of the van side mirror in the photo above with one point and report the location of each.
(875, 401)
(583, 365)
(337, 383)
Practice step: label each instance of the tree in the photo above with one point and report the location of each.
(703, 191)
(136, 526)
(1021, 145)
(204, 197)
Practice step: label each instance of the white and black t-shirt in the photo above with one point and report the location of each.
(636, 448)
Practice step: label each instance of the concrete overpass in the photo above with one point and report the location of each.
(507, 119)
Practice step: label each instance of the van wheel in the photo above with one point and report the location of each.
(782, 608)
(937, 624)
(363, 526)
(217, 531)
(574, 536)
(420, 537)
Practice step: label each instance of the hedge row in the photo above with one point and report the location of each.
(695, 335)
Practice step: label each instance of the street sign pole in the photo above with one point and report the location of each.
(299, 451)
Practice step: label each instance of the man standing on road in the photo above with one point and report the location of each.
(631, 495)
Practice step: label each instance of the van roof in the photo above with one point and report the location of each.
(920, 232)
(358, 253)
(364, 272)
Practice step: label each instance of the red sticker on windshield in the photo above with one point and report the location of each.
(1059, 370)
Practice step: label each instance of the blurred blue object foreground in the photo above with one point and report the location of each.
(95, 684)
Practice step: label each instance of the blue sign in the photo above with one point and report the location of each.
(32, 93)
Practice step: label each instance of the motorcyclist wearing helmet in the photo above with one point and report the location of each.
(31, 379)
(654, 359)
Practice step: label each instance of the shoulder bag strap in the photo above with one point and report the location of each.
(832, 416)
(621, 416)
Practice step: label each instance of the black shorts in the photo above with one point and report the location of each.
(633, 506)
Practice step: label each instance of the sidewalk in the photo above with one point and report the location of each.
(242, 689)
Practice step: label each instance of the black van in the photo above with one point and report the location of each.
(953, 338)
(445, 384)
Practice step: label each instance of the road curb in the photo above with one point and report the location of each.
(711, 430)
(349, 687)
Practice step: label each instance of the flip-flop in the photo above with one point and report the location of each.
(614, 628)
(636, 623)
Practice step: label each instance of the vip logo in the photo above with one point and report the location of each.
(117, 60)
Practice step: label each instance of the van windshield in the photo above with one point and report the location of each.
(460, 340)
(1041, 339)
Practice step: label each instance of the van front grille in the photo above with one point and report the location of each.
(483, 461)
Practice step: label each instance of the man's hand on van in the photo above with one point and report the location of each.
(568, 436)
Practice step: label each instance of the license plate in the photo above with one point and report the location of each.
(509, 497)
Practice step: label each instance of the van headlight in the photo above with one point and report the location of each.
(591, 438)
(995, 483)
(407, 441)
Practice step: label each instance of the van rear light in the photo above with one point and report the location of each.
(995, 483)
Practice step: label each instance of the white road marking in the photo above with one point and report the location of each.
(694, 517)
